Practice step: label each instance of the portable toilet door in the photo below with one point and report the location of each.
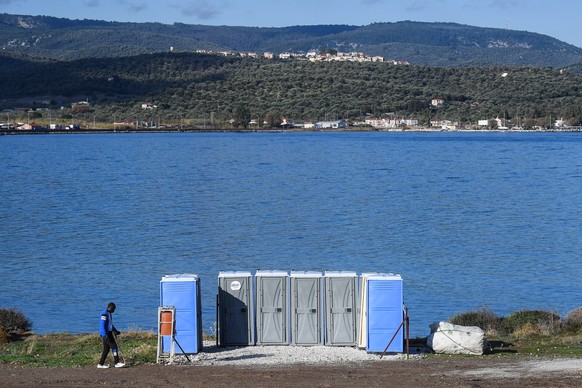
(340, 308)
(271, 307)
(183, 292)
(363, 309)
(385, 313)
(306, 308)
(235, 308)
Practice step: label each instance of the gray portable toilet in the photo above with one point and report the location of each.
(341, 308)
(235, 319)
(306, 308)
(271, 307)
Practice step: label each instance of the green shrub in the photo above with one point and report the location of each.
(483, 318)
(528, 330)
(545, 322)
(573, 321)
(3, 336)
(14, 322)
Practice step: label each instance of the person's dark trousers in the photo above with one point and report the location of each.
(109, 344)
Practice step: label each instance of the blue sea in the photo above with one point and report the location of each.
(469, 220)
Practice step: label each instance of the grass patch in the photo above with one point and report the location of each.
(555, 346)
(83, 350)
(528, 332)
(68, 350)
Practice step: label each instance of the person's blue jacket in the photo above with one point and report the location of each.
(106, 324)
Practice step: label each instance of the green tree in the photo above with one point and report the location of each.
(273, 119)
(242, 116)
(529, 123)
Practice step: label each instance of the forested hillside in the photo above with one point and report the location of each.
(432, 44)
(197, 86)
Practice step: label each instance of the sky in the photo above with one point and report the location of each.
(557, 18)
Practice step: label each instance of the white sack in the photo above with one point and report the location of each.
(454, 339)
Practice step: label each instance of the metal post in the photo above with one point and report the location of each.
(394, 336)
(217, 333)
(407, 319)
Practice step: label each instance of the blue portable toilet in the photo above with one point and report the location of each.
(384, 312)
(183, 292)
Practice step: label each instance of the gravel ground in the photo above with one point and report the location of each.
(282, 355)
(529, 368)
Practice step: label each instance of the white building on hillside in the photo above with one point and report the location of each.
(392, 122)
(330, 124)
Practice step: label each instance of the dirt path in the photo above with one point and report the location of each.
(420, 372)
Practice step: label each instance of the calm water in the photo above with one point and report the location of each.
(468, 219)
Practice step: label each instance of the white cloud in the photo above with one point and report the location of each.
(203, 9)
(133, 6)
(92, 3)
(9, 2)
(506, 4)
(421, 5)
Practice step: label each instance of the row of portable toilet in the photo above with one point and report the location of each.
(335, 308)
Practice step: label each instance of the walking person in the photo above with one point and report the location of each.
(106, 331)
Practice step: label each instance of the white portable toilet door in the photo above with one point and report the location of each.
(272, 308)
(341, 294)
(307, 311)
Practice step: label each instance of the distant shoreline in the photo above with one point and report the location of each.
(277, 130)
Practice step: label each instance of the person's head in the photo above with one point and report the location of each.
(111, 307)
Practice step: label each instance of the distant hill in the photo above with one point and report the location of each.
(432, 44)
(198, 87)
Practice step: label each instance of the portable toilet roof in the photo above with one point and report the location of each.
(384, 276)
(340, 273)
(227, 274)
(271, 273)
(306, 274)
(181, 277)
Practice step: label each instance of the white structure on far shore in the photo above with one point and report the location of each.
(392, 122)
(330, 124)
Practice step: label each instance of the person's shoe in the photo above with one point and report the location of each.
(120, 365)
(101, 366)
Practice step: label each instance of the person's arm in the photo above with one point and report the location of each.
(103, 325)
